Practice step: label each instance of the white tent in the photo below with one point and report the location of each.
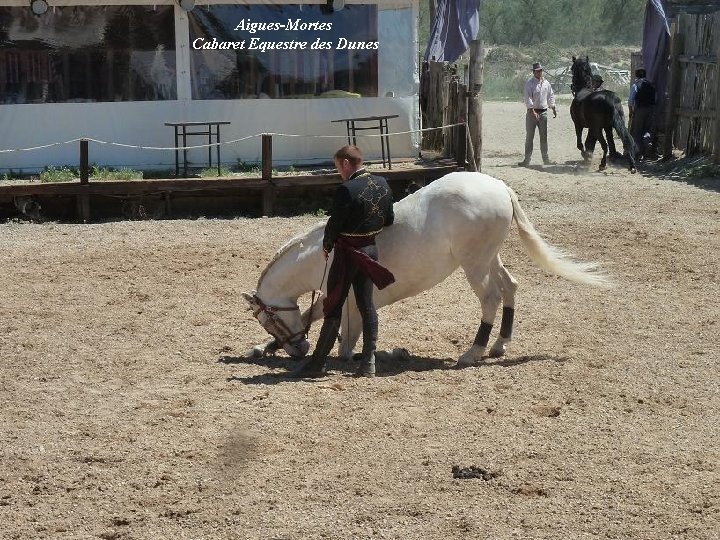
(37, 58)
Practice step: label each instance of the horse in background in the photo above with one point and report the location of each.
(598, 111)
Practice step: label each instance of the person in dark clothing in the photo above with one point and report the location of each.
(641, 103)
(362, 206)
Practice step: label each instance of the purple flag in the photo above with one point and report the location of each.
(656, 42)
(456, 24)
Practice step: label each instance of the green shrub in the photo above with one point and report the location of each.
(123, 173)
(212, 172)
(63, 174)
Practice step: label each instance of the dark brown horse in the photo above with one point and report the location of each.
(598, 111)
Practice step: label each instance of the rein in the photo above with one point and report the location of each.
(312, 300)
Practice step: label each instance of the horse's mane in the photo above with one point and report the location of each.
(285, 248)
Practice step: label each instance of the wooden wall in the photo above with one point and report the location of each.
(693, 112)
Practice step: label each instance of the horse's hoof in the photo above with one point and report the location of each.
(633, 170)
(602, 168)
(254, 353)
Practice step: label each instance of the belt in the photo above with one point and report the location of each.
(539, 110)
(373, 233)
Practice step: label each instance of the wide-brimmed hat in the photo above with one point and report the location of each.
(537, 66)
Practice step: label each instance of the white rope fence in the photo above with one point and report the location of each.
(209, 145)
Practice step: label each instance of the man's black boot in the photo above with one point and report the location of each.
(315, 367)
(367, 357)
(367, 364)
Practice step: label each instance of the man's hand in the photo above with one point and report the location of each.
(326, 253)
(554, 112)
(536, 115)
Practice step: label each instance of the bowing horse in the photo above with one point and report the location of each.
(459, 220)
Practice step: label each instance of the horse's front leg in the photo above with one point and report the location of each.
(589, 145)
(578, 135)
(603, 143)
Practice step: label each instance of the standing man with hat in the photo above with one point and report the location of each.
(539, 97)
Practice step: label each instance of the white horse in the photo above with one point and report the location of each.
(460, 219)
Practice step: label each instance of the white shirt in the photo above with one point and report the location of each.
(539, 94)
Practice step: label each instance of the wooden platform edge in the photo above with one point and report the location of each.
(139, 187)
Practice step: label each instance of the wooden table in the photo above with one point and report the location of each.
(380, 123)
(181, 130)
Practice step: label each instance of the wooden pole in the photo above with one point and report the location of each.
(676, 47)
(716, 151)
(461, 130)
(475, 84)
(84, 162)
(269, 190)
(83, 199)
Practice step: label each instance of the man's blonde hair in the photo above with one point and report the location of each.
(351, 153)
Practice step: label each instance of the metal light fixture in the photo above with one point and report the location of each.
(186, 5)
(338, 4)
(39, 7)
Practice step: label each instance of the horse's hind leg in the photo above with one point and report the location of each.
(350, 328)
(612, 151)
(507, 285)
(485, 286)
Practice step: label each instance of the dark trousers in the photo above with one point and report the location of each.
(642, 123)
(530, 125)
(363, 287)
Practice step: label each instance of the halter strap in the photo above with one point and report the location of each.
(271, 310)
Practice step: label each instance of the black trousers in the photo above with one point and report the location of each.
(363, 288)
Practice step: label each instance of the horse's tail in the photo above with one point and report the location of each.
(622, 130)
(550, 258)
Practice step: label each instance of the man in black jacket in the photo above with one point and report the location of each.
(362, 206)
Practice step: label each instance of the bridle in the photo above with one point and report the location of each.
(271, 314)
(278, 324)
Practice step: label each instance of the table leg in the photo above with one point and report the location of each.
(177, 154)
(382, 140)
(209, 147)
(387, 143)
(185, 168)
(354, 140)
(217, 140)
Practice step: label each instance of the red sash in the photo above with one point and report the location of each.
(346, 250)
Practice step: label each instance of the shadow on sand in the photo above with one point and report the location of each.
(386, 365)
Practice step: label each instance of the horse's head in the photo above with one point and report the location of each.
(284, 323)
(581, 74)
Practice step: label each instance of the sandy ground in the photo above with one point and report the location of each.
(118, 419)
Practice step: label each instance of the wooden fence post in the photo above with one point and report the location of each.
(461, 130)
(269, 190)
(83, 200)
(475, 83)
(716, 151)
(676, 47)
(449, 116)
